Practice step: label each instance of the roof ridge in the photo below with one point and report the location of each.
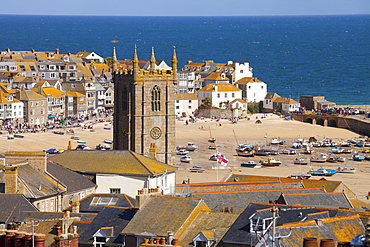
(241, 191)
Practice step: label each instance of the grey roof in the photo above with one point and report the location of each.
(96, 202)
(73, 180)
(37, 184)
(115, 217)
(237, 201)
(57, 215)
(333, 199)
(13, 207)
(239, 232)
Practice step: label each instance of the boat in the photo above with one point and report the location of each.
(341, 159)
(108, 141)
(106, 128)
(251, 164)
(321, 159)
(350, 170)
(358, 157)
(191, 146)
(301, 161)
(288, 151)
(75, 137)
(271, 162)
(196, 169)
(182, 152)
(322, 172)
(10, 137)
(185, 159)
(276, 141)
(58, 132)
(246, 151)
(103, 147)
(332, 159)
(367, 157)
(300, 175)
(213, 158)
(79, 141)
(297, 145)
(211, 139)
(18, 136)
(212, 147)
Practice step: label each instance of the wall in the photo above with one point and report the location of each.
(222, 113)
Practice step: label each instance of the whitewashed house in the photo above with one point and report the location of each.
(10, 107)
(254, 90)
(185, 104)
(91, 56)
(119, 171)
(290, 105)
(221, 94)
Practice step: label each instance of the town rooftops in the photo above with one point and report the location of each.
(221, 87)
(111, 161)
(12, 207)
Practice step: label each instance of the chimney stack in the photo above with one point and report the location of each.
(76, 207)
(11, 179)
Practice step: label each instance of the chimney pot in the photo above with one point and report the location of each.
(162, 241)
(309, 242)
(151, 241)
(175, 241)
(327, 242)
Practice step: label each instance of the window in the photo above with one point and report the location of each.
(177, 101)
(189, 107)
(100, 201)
(241, 71)
(156, 96)
(189, 101)
(233, 95)
(115, 190)
(73, 85)
(177, 107)
(42, 110)
(261, 87)
(52, 67)
(22, 68)
(13, 68)
(225, 95)
(249, 87)
(218, 95)
(71, 67)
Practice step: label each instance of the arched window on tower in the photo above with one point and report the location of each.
(156, 96)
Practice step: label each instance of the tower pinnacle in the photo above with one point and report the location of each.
(152, 61)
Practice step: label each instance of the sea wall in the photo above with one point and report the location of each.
(357, 125)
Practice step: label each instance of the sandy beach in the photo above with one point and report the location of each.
(228, 136)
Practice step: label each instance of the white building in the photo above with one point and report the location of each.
(221, 94)
(119, 171)
(241, 71)
(185, 104)
(92, 56)
(10, 107)
(290, 105)
(254, 90)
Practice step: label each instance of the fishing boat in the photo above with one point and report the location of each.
(300, 175)
(75, 137)
(79, 141)
(251, 164)
(271, 162)
(332, 159)
(185, 159)
(288, 151)
(196, 169)
(341, 159)
(350, 170)
(322, 172)
(246, 151)
(108, 141)
(58, 132)
(18, 136)
(191, 146)
(182, 152)
(301, 161)
(308, 150)
(321, 159)
(358, 157)
(212, 146)
(276, 141)
(213, 158)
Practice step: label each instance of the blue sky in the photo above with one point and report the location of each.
(186, 8)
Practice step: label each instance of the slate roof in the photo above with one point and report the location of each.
(242, 187)
(30, 95)
(237, 201)
(35, 215)
(239, 232)
(97, 201)
(161, 214)
(216, 184)
(46, 227)
(36, 184)
(340, 229)
(329, 199)
(111, 161)
(116, 217)
(12, 207)
(73, 180)
(213, 225)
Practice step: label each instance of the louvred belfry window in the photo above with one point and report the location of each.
(156, 96)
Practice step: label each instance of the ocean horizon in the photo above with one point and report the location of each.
(294, 55)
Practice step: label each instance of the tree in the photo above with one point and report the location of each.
(207, 102)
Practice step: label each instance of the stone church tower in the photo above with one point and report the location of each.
(144, 109)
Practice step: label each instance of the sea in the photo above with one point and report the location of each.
(294, 55)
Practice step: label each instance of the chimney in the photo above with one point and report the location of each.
(33, 50)
(11, 179)
(76, 207)
(309, 242)
(170, 237)
(344, 244)
(39, 240)
(36, 159)
(327, 242)
(153, 151)
(57, 51)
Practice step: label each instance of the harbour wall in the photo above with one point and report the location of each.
(359, 126)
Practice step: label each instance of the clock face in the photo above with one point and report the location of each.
(155, 133)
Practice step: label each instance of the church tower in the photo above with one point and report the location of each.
(144, 109)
